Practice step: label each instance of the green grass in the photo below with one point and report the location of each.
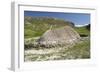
(36, 26)
(80, 50)
(83, 31)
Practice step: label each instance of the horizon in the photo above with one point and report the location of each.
(76, 18)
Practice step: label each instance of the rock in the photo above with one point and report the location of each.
(59, 36)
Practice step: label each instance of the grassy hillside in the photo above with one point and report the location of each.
(83, 31)
(36, 26)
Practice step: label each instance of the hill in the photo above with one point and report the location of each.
(36, 26)
(48, 38)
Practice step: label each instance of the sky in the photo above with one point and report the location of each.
(76, 18)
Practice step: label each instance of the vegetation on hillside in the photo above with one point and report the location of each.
(83, 31)
(34, 27)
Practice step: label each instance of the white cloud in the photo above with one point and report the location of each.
(81, 25)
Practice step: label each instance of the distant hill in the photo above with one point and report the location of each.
(36, 26)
